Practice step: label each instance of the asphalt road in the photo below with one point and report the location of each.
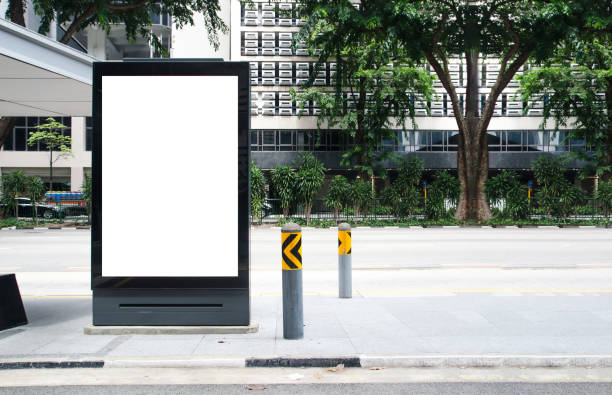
(308, 381)
(69, 251)
(392, 262)
(340, 389)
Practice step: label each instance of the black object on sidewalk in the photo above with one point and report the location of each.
(12, 313)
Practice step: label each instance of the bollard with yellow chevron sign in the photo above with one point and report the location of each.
(293, 310)
(345, 286)
(344, 242)
(292, 250)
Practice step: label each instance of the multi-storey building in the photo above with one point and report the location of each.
(261, 33)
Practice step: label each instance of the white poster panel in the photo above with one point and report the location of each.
(170, 176)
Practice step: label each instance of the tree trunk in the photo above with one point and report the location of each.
(50, 169)
(16, 9)
(336, 211)
(35, 213)
(307, 209)
(607, 176)
(286, 212)
(473, 151)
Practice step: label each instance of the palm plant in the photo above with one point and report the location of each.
(337, 195)
(283, 181)
(35, 189)
(308, 180)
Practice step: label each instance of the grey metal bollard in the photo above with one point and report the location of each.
(293, 308)
(345, 266)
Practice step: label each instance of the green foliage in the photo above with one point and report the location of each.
(434, 207)
(410, 173)
(337, 194)
(87, 192)
(361, 196)
(448, 185)
(604, 196)
(403, 194)
(392, 197)
(308, 180)
(35, 189)
(570, 82)
(13, 184)
(258, 191)
(505, 186)
(135, 15)
(554, 193)
(283, 182)
(49, 134)
(375, 81)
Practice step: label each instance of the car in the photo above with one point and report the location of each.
(47, 211)
(26, 209)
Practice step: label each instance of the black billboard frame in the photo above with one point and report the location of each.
(172, 300)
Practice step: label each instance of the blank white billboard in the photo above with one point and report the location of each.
(169, 176)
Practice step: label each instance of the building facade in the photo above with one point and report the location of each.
(261, 33)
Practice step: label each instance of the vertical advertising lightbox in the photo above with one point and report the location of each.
(170, 224)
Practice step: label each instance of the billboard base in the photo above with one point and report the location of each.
(12, 313)
(171, 307)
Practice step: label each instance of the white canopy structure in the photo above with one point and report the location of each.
(39, 76)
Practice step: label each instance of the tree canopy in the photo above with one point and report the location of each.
(77, 15)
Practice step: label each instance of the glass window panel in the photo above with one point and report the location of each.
(89, 122)
(21, 121)
(20, 139)
(268, 137)
(32, 121)
(514, 138)
(8, 143)
(66, 121)
(286, 137)
(437, 138)
(254, 137)
(88, 139)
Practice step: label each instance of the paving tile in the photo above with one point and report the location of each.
(158, 345)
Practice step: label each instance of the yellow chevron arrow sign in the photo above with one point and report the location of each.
(292, 251)
(344, 242)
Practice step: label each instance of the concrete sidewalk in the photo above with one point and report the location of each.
(437, 330)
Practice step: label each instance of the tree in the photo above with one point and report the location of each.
(35, 189)
(604, 196)
(506, 186)
(257, 183)
(554, 193)
(361, 196)
(134, 14)
(308, 180)
(337, 195)
(374, 84)
(87, 194)
(575, 87)
(437, 30)
(49, 134)
(13, 184)
(448, 185)
(283, 181)
(407, 183)
(15, 12)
